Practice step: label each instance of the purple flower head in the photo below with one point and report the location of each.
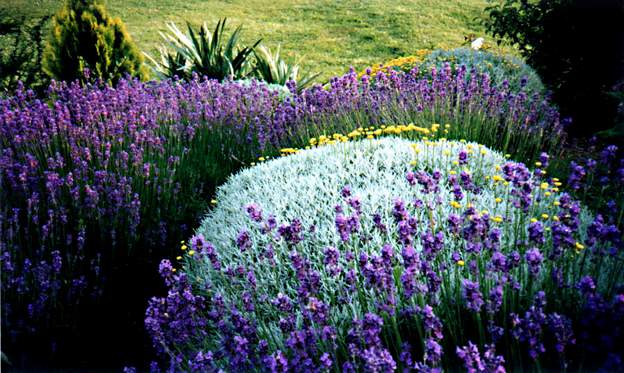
(346, 191)
(291, 233)
(536, 233)
(243, 241)
(586, 285)
(282, 303)
(255, 212)
(463, 157)
(198, 242)
(331, 256)
(534, 260)
(399, 211)
(472, 295)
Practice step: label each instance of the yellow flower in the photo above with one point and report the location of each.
(555, 179)
(413, 163)
(555, 218)
(253, 163)
(483, 152)
(184, 247)
(182, 242)
(461, 263)
(579, 246)
(498, 218)
(178, 258)
(505, 183)
(452, 172)
(544, 185)
(498, 200)
(213, 201)
(455, 163)
(497, 168)
(455, 204)
(370, 137)
(497, 178)
(558, 184)
(446, 152)
(533, 220)
(507, 155)
(191, 252)
(173, 270)
(555, 189)
(544, 216)
(538, 164)
(556, 203)
(261, 159)
(547, 194)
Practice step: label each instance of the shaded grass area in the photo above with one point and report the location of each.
(326, 36)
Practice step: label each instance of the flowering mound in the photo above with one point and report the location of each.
(382, 255)
(499, 67)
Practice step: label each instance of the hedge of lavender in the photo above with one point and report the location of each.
(481, 264)
(93, 175)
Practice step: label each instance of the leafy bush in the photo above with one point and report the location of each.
(462, 258)
(204, 54)
(21, 59)
(575, 46)
(500, 68)
(83, 37)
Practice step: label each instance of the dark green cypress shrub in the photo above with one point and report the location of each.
(83, 37)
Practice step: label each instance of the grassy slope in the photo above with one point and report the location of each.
(326, 35)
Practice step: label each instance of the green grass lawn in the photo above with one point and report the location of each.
(326, 36)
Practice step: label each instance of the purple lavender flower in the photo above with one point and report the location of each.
(463, 157)
(243, 241)
(536, 233)
(472, 295)
(254, 212)
(534, 260)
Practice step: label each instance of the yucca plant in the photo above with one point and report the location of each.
(171, 64)
(207, 54)
(274, 70)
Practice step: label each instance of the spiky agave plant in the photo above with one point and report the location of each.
(205, 53)
(274, 70)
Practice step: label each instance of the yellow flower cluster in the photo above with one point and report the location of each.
(368, 133)
(407, 61)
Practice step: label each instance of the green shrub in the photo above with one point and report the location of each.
(274, 70)
(20, 60)
(83, 37)
(203, 53)
(575, 46)
(499, 67)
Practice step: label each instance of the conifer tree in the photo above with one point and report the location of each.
(84, 37)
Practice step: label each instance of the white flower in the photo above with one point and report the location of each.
(477, 43)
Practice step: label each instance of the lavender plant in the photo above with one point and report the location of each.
(92, 176)
(479, 263)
